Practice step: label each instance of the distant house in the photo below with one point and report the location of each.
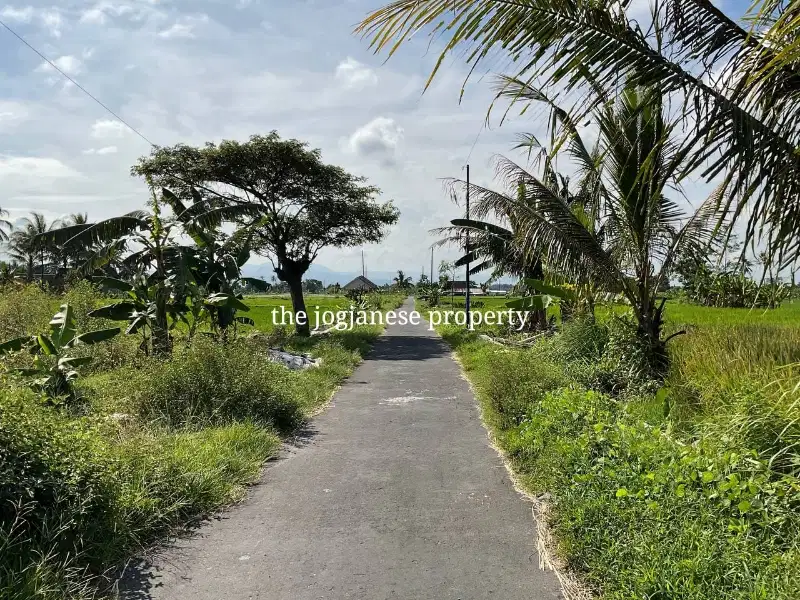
(459, 288)
(360, 284)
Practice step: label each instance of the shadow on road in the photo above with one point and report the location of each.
(403, 347)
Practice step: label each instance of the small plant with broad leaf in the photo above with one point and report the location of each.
(54, 370)
(140, 309)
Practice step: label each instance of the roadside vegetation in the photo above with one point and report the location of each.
(685, 488)
(140, 389)
(652, 404)
(146, 445)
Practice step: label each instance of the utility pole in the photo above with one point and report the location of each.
(363, 270)
(469, 317)
(431, 265)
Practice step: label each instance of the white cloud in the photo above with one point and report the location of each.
(95, 15)
(22, 15)
(49, 18)
(379, 138)
(108, 129)
(34, 167)
(184, 28)
(354, 74)
(102, 12)
(238, 79)
(101, 151)
(12, 114)
(71, 65)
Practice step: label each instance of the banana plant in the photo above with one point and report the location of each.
(216, 262)
(54, 371)
(542, 295)
(141, 308)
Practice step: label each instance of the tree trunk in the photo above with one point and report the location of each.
(295, 283)
(649, 333)
(161, 341)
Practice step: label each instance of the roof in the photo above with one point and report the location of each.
(360, 283)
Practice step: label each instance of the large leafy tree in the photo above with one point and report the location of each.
(736, 86)
(299, 204)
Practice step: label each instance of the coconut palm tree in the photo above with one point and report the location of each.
(27, 247)
(5, 225)
(631, 247)
(401, 281)
(737, 86)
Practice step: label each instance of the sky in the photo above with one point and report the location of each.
(206, 70)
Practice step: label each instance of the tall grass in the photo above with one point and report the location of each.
(690, 491)
(155, 446)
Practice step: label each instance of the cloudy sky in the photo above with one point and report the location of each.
(190, 72)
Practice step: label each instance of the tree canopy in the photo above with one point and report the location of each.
(298, 204)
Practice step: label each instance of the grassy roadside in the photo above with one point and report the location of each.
(154, 446)
(689, 491)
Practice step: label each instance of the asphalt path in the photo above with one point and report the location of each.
(393, 492)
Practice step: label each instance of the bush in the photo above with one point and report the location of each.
(77, 497)
(55, 497)
(581, 339)
(513, 381)
(24, 310)
(214, 384)
(640, 513)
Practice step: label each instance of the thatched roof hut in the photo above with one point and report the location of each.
(361, 284)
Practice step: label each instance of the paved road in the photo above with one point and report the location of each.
(395, 494)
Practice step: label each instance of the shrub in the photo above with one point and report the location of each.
(214, 384)
(515, 381)
(77, 497)
(641, 513)
(55, 496)
(24, 310)
(580, 339)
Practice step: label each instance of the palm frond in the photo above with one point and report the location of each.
(698, 233)
(569, 44)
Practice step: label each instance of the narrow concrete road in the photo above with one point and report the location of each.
(396, 493)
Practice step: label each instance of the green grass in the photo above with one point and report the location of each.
(262, 307)
(153, 446)
(691, 493)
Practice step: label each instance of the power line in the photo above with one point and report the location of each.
(75, 83)
(105, 107)
(475, 143)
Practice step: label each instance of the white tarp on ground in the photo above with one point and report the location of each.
(295, 362)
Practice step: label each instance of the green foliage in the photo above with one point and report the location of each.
(290, 222)
(691, 517)
(24, 309)
(54, 372)
(212, 384)
(686, 491)
(729, 288)
(74, 504)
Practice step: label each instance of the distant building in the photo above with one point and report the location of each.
(459, 288)
(361, 284)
